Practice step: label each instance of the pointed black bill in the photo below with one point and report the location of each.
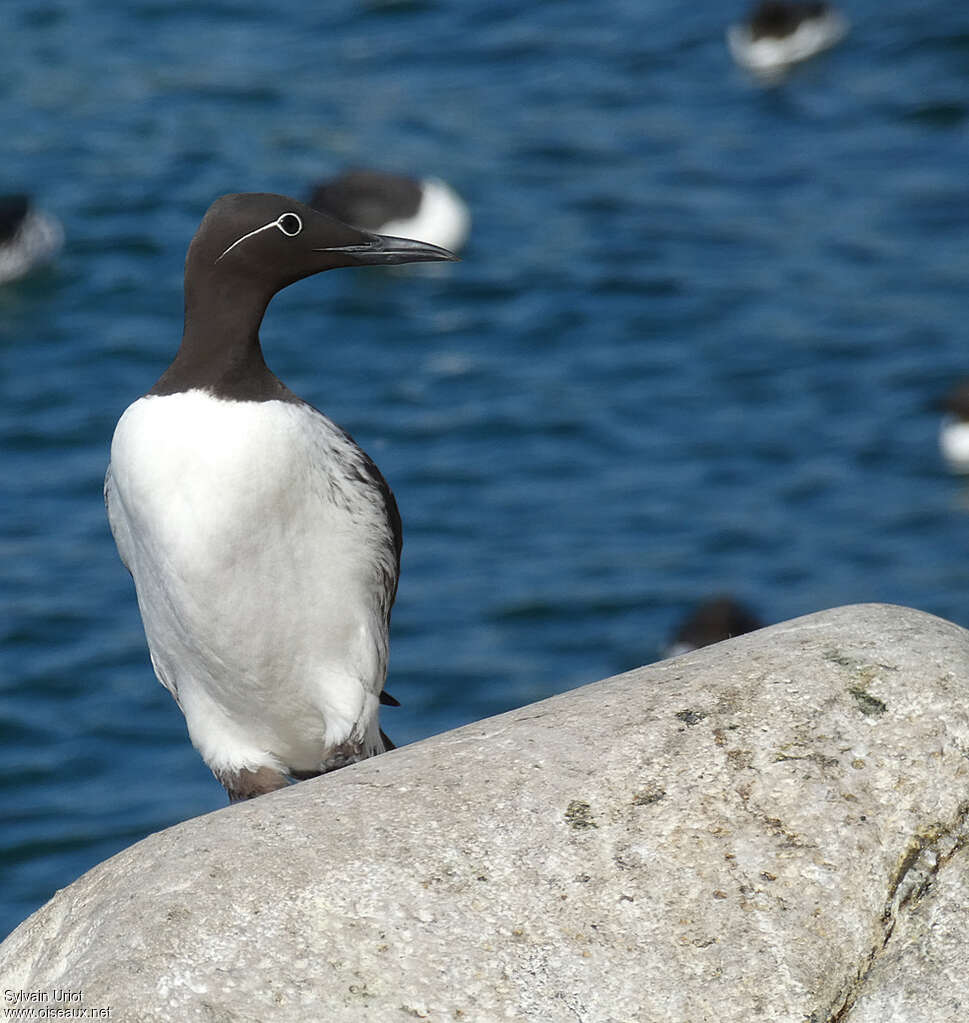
(384, 250)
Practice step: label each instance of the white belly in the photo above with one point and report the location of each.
(257, 574)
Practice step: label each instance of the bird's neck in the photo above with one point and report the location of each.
(220, 350)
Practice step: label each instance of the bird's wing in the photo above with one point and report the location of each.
(117, 520)
(359, 464)
(119, 526)
(395, 532)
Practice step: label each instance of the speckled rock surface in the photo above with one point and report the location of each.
(774, 828)
(922, 974)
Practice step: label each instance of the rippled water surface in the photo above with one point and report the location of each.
(693, 346)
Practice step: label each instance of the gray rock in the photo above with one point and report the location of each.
(922, 974)
(772, 828)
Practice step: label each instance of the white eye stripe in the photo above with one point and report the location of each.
(285, 224)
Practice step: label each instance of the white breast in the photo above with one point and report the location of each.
(258, 562)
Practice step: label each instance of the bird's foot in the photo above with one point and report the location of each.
(247, 784)
(346, 753)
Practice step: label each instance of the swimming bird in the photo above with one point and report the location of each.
(776, 35)
(713, 620)
(264, 544)
(954, 429)
(427, 209)
(28, 237)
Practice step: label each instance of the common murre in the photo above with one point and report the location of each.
(28, 237)
(427, 209)
(777, 34)
(954, 429)
(263, 543)
(714, 620)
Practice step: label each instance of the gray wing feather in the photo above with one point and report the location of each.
(117, 520)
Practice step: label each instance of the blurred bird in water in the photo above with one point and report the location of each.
(28, 237)
(427, 209)
(776, 35)
(954, 429)
(714, 620)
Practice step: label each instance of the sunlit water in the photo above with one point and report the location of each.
(693, 346)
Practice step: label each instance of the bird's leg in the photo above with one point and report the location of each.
(348, 752)
(247, 784)
(345, 754)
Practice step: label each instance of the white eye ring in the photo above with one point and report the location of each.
(286, 218)
(285, 224)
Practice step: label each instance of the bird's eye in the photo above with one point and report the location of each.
(290, 224)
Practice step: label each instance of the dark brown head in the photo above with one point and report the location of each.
(248, 247)
(270, 241)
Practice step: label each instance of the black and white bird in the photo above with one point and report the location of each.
(954, 429)
(427, 209)
(777, 34)
(714, 620)
(264, 544)
(28, 237)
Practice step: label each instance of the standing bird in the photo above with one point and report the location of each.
(263, 543)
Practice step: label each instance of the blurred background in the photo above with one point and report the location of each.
(695, 345)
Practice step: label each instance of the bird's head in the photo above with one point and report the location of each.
(270, 241)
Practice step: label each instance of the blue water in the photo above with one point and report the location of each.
(693, 345)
